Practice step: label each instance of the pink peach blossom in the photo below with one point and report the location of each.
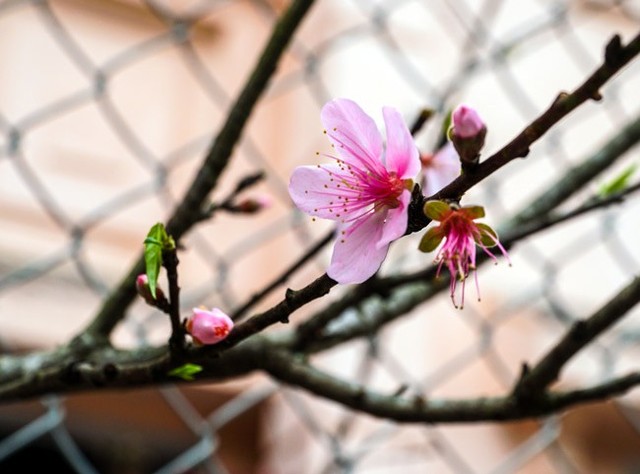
(461, 234)
(366, 190)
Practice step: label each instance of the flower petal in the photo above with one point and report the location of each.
(314, 192)
(440, 170)
(395, 224)
(356, 257)
(402, 155)
(353, 133)
(466, 121)
(209, 327)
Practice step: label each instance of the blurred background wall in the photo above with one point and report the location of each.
(107, 108)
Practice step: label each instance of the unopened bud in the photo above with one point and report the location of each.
(467, 133)
(142, 287)
(253, 205)
(208, 327)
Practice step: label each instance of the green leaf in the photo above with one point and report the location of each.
(436, 210)
(430, 240)
(186, 372)
(157, 240)
(445, 129)
(619, 183)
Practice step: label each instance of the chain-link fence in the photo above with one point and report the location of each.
(106, 110)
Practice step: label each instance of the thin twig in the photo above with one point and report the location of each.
(280, 313)
(228, 203)
(616, 57)
(283, 277)
(520, 231)
(170, 262)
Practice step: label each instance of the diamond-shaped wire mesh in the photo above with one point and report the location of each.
(107, 108)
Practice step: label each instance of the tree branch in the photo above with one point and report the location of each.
(89, 362)
(573, 180)
(69, 369)
(535, 381)
(280, 313)
(283, 277)
(616, 57)
(417, 409)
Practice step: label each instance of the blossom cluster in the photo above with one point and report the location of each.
(366, 189)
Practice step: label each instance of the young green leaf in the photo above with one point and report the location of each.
(619, 183)
(157, 240)
(186, 372)
(445, 129)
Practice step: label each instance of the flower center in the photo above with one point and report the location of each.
(394, 188)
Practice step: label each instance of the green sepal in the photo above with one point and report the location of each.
(619, 183)
(186, 372)
(430, 240)
(488, 236)
(156, 242)
(445, 130)
(474, 212)
(436, 210)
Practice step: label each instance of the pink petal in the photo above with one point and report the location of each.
(466, 121)
(356, 255)
(401, 155)
(441, 170)
(395, 223)
(209, 327)
(313, 191)
(353, 133)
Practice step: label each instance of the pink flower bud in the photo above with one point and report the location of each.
(466, 122)
(209, 327)
(253, 205)
(142, 287)
(467, 134)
